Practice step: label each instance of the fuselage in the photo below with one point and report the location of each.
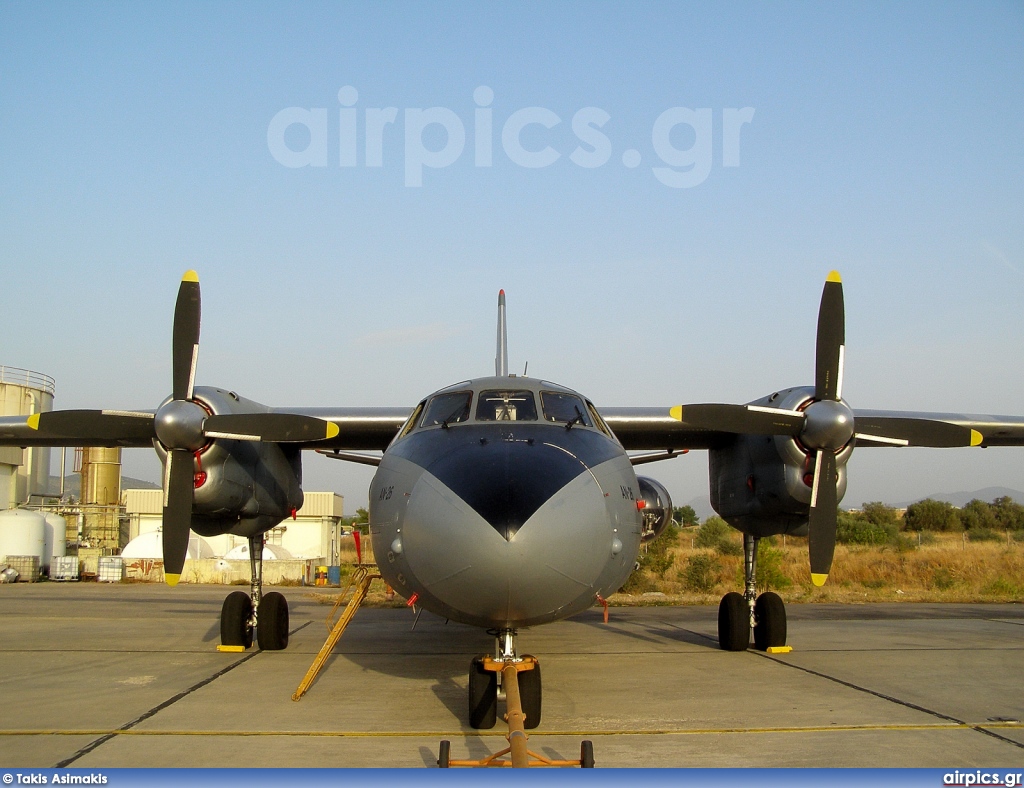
(505, 502)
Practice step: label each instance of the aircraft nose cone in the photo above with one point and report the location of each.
(506, 480)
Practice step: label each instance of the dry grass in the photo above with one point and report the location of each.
(948, 570)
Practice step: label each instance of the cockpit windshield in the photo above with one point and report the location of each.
(445, 409)
(506, 405)
(564, 408)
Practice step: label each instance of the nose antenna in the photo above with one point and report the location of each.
(501, 359)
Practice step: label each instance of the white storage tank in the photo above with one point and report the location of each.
(22, 533)
(56, 545)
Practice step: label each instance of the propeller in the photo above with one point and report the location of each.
(825, 426)
(181, 425)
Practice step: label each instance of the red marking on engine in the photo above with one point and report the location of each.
(293, 513)
(412, 599)
(641, 504)
(199, 479)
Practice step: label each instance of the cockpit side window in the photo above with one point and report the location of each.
(598, 421)
(506, 405)
(450, 408)
(413, 419)
(564, 408)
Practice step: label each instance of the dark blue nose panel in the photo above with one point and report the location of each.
(506, 473)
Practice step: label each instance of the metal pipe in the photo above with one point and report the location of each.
(514, 716)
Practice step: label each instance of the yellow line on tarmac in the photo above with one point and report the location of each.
(457, 733)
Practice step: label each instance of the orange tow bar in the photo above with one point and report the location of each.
(519, 756)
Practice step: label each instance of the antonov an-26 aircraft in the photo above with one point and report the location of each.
(506, 502)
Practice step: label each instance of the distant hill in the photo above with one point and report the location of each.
(73, 484)
(960, 499)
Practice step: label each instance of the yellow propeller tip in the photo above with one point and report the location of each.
(833, 276)
(33, 421)
(976, 438)
(171, 580)
(676, 412)
(818, 580)
(190, 276)
(332, 429)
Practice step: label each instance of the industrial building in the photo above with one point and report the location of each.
(105, 520)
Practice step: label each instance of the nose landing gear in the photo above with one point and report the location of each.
(516, 680)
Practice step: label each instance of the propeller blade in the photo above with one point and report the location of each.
(79, 426)
(742, 419)
(821, 525)
(185, 343)
(270, 427)
(902, 431)
(179, 485)
(831, 341)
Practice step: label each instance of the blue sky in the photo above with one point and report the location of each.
(887, 141)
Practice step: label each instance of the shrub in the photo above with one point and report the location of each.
(1001, 586)
(855, 528)
(701, 573)
(1018, 536)
(769, 573)
(729, 547)
(714, 530)
(984, 535)
(943, 579)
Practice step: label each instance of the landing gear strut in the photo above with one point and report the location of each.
(266, 615)
(739, 614)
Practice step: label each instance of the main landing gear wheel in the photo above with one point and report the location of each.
(483, 695)
(770, 621)
(530, 694)
(272, 622)
(444, 754)
(733, 622)
(236, 620)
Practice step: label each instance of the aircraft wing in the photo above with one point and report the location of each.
(707, 426)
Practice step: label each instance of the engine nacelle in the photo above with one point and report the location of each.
(762, 483)
(241, 487)
(657, 510)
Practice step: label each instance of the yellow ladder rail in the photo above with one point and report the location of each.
(361, 589)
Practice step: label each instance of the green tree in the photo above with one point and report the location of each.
(978, 515)
(929, 515)
(1009, 514)
(859, 528)
(685, 516)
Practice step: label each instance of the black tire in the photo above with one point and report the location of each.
(272, 622)
(234, 620)
(586, 754)
(444, 754)
(733, 622)
(770, 621)
(530, 695)
(483, 695)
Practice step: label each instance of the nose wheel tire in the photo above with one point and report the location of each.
(235, 616)
(272, 622)
(770, 618)
(483, 695)
(530, 694)
(733, 622)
